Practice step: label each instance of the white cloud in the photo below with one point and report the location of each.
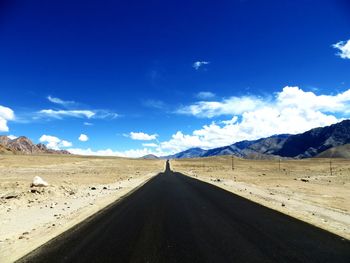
(344, 49)
(197, 64)
(203, 95)
(141, 136)
(88, 124)
(59, 101)
(53, 142)
(291, 111)
(12, 137)
(6, 114)
(83, 138)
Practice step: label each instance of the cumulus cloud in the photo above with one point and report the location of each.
(6, 114)
(83, 138)
(292, 111)
(141, 136)
(204, 95)
(197, 64)
(59, 101)
(54, 143)
(344, 49)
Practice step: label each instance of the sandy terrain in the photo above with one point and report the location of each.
(304, 189)
(78, 187)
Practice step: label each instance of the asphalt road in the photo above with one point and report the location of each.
(174, 218)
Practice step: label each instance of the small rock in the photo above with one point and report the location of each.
(104, 188)
(10, 196)
(39, 182)
(304, 180)
(93, 188)
(25, 233)
(20, 237)
(283, 204)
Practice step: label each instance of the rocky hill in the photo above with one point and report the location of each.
(23, 145)
(315, 141)
(304, 145)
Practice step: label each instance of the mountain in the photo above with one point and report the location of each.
(342, 151)
(150, 157)
(315, 141)
(304, 145)
(190, 153)
(23, 145)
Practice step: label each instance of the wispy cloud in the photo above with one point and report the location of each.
(344, 49)
(61, 102)
(153, 145)
(204, 95)
(157, 104)
(59, 114)
(232, 105)
(89, 114)
(197, 64)
(88, 124)
(6, 114)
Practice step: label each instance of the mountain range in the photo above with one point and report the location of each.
(23, 145)
(308, 144)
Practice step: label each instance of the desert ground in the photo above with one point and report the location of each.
(316, 191)
(78, 187)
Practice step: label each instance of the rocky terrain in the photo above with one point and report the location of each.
(23, 145)
(304, 145)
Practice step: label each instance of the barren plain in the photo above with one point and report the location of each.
(78, 187)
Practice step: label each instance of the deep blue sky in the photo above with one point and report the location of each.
(120, 56)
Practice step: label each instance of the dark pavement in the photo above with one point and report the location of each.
(174, 218)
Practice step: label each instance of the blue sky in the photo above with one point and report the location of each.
(141, 77)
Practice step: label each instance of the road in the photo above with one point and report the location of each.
(175, 218)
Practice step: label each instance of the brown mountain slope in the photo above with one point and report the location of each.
(23, 145)
(342, 151)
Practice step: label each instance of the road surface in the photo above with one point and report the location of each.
(175, 218)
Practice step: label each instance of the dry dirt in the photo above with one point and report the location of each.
(305, 189)
(78, 187)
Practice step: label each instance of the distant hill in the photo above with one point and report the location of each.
(23, 145)
(342, 151)
(304, 145)
(150, 157)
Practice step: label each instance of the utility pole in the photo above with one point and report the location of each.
(233, 163)
(279, 164)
